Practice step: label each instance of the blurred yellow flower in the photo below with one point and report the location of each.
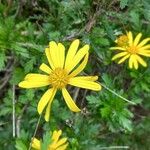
(132, 49)
(62, 71)
(56, 143)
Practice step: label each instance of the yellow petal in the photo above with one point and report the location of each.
(61, 59)
(48, 108)
(80, 67)
(56, 135)
(143, 42)
(47, 113)
(71, 53)
(141, 61)
(48, 96)
(119, 55)
(69, 101)
(54, 53)
(147, 47)
(123, 59)
(61, 142)
(82, 83)
(131, 61)
(135, 62)
(27, 84)
(145, 53)
(118, 48)
(78, 57)
(49, 58)
(88, 78)
(36, 144)
(34, 77)
(130, 37)
(45, 68)
(63, 147)
(137, 39)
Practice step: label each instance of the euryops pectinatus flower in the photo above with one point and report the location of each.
(56, 143)
(62, 71)
(132, 49)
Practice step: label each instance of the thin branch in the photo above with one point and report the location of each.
(13, 113)
(114, 147)
(36, 128)
(76, 93)
(5, 79)
(113, 92)
(74, 35)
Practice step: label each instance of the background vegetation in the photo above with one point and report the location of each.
(26, 27)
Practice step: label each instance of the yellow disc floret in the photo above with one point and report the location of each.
(132, 50)
(59, 78)
(122, 40)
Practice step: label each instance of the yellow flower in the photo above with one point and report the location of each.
(56, 144)
(132, 49)
(62, 71)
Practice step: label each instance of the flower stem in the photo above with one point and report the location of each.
(113, 92)
(114, 147)
(36, 128)
(13, 114)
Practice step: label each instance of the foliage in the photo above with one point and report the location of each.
(106, 120)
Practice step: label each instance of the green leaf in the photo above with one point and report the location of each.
(20, 50)
(92, 100)
(123, 3)
(30, 94)
(107, 79)
(18, 75)
(6, 111)
(105, 112)
(135, 20)
(46, 141)
(104, 42)
(29, 65)
(20, 145)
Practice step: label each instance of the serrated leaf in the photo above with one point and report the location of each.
(123, 3)
(135, 19)
(104, 42)
(93, 100)
(20, 145)
(30, 94)
(29, 65)
(20, 50)
(5, 111)
(107, 79)
(105, 112)
(18, 75)
(46, 141)
(125, 122)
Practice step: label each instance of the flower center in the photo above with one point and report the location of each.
(122, 41)
(59, 78)
(132, 49)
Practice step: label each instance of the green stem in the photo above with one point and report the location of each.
(114, 147)
(113, 92)
(36, 128)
